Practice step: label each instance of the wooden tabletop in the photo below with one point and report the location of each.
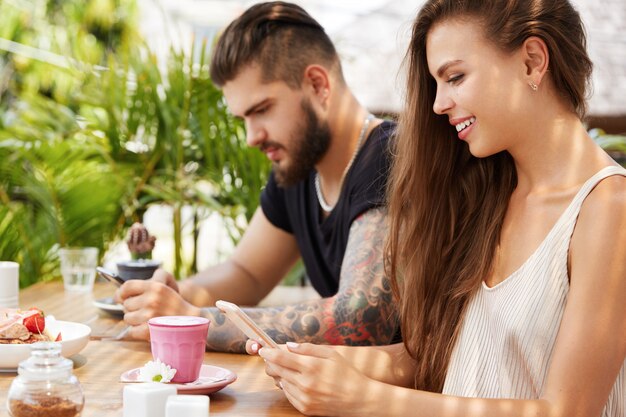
(99, 365)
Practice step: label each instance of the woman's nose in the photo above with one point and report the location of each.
(442, 103)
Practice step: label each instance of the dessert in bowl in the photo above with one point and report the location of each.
(19, 329)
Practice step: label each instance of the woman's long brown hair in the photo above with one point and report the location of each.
(446, 207)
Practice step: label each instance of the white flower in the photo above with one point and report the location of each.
(156, 372)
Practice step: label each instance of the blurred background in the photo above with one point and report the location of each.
(108, 116)
(372, 35)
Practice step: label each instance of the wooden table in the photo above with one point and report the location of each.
(100, 364)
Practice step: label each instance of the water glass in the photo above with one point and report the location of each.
(78, 267)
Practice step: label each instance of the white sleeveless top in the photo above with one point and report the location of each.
(508, 333)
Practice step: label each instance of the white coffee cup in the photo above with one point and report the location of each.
(9, 284)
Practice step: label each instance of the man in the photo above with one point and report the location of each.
(324, 200)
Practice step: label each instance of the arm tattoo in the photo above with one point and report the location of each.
(361, 313)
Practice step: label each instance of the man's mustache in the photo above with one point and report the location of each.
(269, 144)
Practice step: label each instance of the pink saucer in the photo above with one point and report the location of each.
(212, 379)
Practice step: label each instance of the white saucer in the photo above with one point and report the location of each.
(212, 379)
(107, 304)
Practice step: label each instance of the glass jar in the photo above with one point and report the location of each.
(45, 385)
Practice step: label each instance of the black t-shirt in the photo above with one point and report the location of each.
(322, 242)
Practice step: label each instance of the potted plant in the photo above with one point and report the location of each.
(141, 265)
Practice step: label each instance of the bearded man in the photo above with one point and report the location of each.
(323, 203)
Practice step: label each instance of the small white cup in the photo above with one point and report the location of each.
(146, 400)
(9, 284)
(78, 267)
(187, 405)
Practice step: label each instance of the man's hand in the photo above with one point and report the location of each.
(146, 299)
(161, 275)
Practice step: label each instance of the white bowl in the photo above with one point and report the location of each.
(74, 338)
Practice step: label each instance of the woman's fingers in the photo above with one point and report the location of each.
(305, 359)
(301, 357)
(310, 349)
(282, 374)
(302, 367)
(293, 395)
(284, 359)
(316, 379)
(252, 347)
(269, 370)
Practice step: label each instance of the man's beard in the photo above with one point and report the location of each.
(309, 144)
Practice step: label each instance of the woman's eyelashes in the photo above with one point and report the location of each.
(455, 79)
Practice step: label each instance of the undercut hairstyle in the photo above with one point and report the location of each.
(282, 38)
(447, 207)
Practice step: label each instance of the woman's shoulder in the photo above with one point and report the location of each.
(596, 252)
(602, 217)
(608, 195)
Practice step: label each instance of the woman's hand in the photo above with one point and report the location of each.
(252, 348)
(319, 381)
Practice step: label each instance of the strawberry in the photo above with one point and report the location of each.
(35, 323)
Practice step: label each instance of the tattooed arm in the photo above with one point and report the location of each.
(260, 260)
(361, 313)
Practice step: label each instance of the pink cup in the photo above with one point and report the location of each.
(179, 342)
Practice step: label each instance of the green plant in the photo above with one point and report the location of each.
(51, 38)
(171, 127)
(614, 145)
(46, 188)
(82, 159)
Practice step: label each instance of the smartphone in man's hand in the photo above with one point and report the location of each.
(245, 323)
(110, 276)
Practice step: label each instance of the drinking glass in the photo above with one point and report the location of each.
(78, 267)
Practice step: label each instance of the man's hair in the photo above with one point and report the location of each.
(282, 38)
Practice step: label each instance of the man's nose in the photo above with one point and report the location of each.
(254, 135)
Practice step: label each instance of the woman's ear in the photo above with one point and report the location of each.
(536, 59)
(317, 79)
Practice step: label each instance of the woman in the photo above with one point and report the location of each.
(507, 238)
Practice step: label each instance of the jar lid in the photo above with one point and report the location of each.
(45, 363)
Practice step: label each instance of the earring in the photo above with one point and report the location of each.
(533, 85)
